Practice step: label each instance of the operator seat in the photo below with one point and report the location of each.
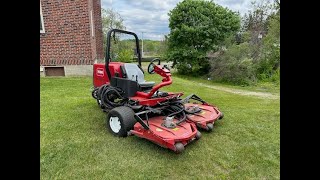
(134, 73)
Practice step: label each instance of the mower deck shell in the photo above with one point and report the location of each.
(208, 114)
(166, 137)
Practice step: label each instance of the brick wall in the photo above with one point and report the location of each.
(67, 39)
(98, 29)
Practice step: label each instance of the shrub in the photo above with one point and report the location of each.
(125, 55)
(234, 66)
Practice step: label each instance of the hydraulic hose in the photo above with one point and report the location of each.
(106, 95)
(178, 111)
(110, 94)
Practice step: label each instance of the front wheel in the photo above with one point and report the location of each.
(120, 120)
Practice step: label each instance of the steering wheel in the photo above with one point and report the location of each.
(151, 65)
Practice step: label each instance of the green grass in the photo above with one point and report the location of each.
(74, 143)
(270, 87)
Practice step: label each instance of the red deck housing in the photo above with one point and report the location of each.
(208, 114)
(166, 137)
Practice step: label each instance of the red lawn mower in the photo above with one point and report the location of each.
(137, 107)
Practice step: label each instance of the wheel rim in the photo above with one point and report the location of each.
(115, 124)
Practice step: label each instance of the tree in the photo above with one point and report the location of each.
(110, 20)
(252, 59)
(197, 26)
(256, 23)
(269, 63)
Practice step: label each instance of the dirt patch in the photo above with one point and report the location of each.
(242, 92)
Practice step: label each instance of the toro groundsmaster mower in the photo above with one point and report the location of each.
(138, 107)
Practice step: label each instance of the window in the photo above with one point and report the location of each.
(41, 21)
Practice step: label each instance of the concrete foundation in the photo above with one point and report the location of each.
(73, 70)
(79, 70)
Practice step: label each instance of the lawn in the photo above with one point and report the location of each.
(74, 143)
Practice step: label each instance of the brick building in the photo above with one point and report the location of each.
(70, 36)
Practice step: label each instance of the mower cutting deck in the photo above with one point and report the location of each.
(203, 115)
(165, 132)
(137, 107)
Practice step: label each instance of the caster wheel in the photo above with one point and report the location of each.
(198, 135)
(209, 127)
(179, 147)
(221, 116)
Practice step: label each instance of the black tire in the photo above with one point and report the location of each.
(179, 147)
(198, 135)
(125, 116)
(221, 116)
(209, 127)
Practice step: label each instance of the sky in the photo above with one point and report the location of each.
(151, 16)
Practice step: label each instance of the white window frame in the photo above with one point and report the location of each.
(41, 18)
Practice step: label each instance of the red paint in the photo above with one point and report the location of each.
(100, 76)
(153, 101)
(165, 73)
(208, 114)
(156, 133)
(166, 137)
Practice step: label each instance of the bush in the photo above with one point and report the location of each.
(250, 60)
(184, 68)
(234, 66)
(276, 77)
(269, 63)
(125, 55)
(194, 68)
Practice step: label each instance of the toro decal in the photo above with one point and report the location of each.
(100, 72)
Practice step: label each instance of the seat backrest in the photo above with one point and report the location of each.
(132, 70)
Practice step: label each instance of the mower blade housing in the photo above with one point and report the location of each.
(207, 114)
(183, 133)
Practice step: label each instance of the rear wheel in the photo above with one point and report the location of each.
(120, 120)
